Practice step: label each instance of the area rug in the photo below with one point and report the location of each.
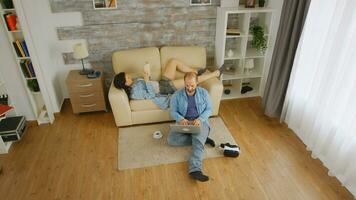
(137, 148)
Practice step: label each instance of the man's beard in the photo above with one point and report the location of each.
(190, 91)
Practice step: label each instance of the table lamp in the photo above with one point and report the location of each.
(80, 52)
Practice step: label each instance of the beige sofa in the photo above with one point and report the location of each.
(129, 112)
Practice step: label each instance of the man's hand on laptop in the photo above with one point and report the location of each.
(184, 122)
(196, 122)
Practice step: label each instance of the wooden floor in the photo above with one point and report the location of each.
(76, 158)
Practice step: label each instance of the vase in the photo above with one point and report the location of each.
(230, 53)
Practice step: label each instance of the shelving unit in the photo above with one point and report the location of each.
(241, 19)
(26, 55)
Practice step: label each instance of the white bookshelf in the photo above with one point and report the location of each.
(241, 18)
(39, 101)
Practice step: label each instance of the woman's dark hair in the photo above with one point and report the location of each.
(119, 83)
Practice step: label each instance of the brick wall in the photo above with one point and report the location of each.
(138, 23)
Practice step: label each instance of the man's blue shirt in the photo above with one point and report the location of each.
(179, 104)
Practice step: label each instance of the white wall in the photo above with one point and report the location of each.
(42, 24)
(11, 75)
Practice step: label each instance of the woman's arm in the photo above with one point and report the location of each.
(142, 90)
(174, 108)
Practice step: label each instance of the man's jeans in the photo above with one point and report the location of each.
(196, 140)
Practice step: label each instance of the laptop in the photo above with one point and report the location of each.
(189, 129)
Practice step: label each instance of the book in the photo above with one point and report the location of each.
(233, 31)
(8, 28)
(5, 109)
(20, 48)
(30, 66)
(24, 47)
(16, 49)
(24, 70)
(27, 68)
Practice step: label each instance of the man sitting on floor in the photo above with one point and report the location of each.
(192, 105)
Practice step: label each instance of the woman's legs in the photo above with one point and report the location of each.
(172, 66)
(179, 83)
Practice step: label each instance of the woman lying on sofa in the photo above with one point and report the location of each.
(159, 91)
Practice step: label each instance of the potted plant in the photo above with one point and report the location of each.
(258, 40)
(33, 85)
(7, 4)
(261, 3)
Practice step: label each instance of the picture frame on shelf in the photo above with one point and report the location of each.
(200, 2)
(104, 4)
(229, 3)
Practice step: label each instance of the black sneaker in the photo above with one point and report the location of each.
(245, 89)
(199, 176)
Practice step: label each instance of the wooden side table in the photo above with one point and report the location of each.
(86, 95)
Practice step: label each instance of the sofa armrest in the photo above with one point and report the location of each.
(215, 89)
(120, 106)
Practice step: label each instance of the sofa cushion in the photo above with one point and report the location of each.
(193, 56)
(133, 60)
(139, 105)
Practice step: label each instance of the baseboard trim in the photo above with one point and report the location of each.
(57, 114)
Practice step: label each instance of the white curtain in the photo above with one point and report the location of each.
(320, 105)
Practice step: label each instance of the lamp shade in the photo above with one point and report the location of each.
(80, 51)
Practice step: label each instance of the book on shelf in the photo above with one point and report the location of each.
(18, 44)
(24, 47)
(16, 49)
(4, 15)
(30, 67)
(25, 70)
(233, 31)
(4, 109)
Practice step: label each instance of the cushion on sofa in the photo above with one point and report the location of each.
(133, 60)
(139, 105)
